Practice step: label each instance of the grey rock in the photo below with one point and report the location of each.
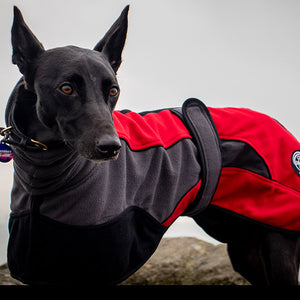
(187, 261)
(5, 278)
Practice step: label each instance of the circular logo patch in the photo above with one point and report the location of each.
(6, 153)
(295, 159)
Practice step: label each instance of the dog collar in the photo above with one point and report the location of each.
(12, 136)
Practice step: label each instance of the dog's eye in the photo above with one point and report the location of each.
(113, 92)
(66, 89)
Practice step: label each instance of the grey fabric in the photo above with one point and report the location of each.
(154, 179)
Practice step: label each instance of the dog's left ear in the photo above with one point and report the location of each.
(113, 42)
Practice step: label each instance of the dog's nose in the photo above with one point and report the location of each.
(108, 146)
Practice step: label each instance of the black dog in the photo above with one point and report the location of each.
(105, 220)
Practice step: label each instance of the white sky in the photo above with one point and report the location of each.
(243, 53)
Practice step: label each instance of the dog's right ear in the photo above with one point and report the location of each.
(26, 47)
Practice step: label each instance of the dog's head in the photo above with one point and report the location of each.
(76, 88)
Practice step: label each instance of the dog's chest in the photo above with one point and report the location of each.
(113, 218)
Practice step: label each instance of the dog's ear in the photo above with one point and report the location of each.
(113, 42)
(26, 47)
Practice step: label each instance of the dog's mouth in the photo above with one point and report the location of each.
(102, 157)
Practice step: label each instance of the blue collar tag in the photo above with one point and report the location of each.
(6, 153)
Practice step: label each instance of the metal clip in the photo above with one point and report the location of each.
(39, 144)
(2, 132)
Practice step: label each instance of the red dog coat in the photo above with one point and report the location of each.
(261, 178)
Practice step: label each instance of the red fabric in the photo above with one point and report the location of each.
(161, 128)
(274, 202)
(258, 198)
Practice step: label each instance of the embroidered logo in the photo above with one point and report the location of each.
(295, 159)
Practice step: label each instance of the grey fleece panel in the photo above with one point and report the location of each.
(45, 172)
(155, 180)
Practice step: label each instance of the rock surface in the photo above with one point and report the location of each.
(187, 261)
(5, 278)
(177, 261)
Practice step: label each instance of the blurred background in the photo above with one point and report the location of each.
(242, 53)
